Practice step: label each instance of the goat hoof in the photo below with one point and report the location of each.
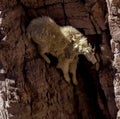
(75, 82)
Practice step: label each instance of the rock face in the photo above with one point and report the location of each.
(32, 89)
(114, 24)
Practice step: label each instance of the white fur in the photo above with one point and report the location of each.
(65, 43)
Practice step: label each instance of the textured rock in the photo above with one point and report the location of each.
(33, 3)
(80, 17)
(8, 95)
(113, 7)
(40, 89)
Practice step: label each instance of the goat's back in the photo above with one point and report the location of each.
(45, 32)
(42, 28)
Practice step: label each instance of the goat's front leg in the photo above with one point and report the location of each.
(73, 68)
(64, 66)
(46, 58)
(42, 53)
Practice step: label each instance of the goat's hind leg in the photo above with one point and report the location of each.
(64, 66)
(73, 68)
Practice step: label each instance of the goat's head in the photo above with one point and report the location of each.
(86, 49)
(90, 54)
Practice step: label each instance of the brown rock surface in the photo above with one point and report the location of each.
(39, 90)
(114, 24)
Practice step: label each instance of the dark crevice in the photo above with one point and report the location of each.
(91, 88)
(92, 22)
(65, 16)
(83, 1)
(76, 103)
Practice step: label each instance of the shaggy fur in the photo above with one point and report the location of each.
(65, 43)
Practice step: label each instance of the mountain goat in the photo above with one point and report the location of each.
(65, 43)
